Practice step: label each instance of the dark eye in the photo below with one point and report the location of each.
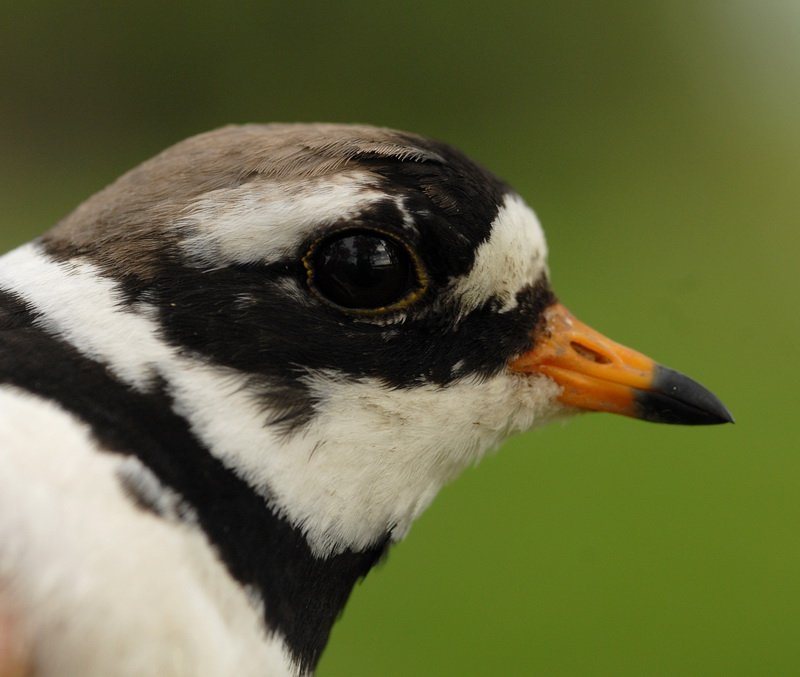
(364, 270)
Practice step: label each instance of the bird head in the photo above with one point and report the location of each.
(350, 316)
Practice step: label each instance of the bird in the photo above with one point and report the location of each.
(233, 378)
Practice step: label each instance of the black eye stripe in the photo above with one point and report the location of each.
(365, 271)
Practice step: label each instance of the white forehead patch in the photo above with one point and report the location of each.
(265, 221)
(514, 256)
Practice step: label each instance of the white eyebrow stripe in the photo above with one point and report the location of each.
(514, 257)
(267, 221)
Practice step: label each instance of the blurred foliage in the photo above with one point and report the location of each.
(659, 142)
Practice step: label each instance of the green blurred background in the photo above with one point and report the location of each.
(659, 143)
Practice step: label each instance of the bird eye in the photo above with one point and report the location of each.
(365, 270)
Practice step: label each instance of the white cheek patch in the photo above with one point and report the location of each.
(266, 221)
(514, 256)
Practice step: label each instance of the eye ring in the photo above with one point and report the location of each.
(420, 285)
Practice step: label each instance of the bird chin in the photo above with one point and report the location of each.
(374, 457)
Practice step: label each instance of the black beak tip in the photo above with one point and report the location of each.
(675, 398)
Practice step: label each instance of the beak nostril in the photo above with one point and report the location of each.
(589, 354)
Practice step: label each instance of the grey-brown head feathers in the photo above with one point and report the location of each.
(127, 225)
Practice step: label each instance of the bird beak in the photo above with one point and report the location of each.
(597, 374)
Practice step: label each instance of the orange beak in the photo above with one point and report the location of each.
(598, 374)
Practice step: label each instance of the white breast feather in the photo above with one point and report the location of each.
(103, 587)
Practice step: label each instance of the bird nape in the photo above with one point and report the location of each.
(230, 380)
